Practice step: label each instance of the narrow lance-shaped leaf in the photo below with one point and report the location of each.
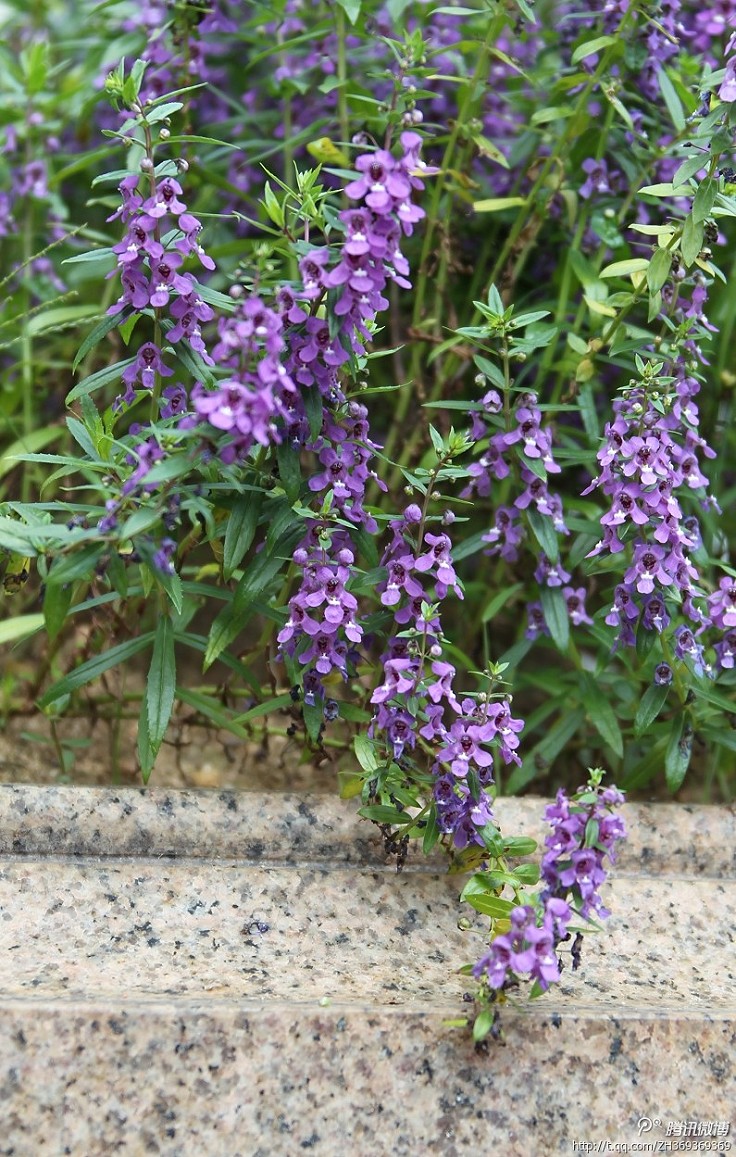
(602, 715)
(555, 615)
(146, 754)
(161, 685)
(679, 750)
(652, 702)
(96, 666)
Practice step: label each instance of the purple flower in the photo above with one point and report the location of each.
(575, 600)
(725, 651)
(722, 604)
(727, 90)
(584, 831)
(597, 178)
(528, 948)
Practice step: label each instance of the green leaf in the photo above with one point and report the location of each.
(704, 199)
(483, 1024)
(591, 47)
(95, 337)
(30, 442)
(162, 111)
(672, 100)
(625, 268)
(545, 534)
(498, 601)
(555, 615)
(659, 269)
(692, 239)
(146, 754)
(666, 189)
(351, 8)
(519, 846)
(527, 874)
(62, 317)
(20, 626)
(264, 708)
(103, 257)
(96, 381)
(289, 470)
(240, 531)
(431, 831)
(233, 618)
(57, 599)
(313, 408)
(489, 905)
(725, 739)
(313, 716)
(211, 709)
(78, 565)
(714, 696)
(548, 748)
(81, 436)
(161, 685)
(95, 667)
(679, 750)
(384, 814)
(602, 715)
(365, 753)
(652, 702)
(496, 204)
(689, 168)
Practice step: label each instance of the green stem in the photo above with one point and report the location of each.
(343, 115)
(405, 396)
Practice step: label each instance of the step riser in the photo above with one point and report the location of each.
(285, 1080)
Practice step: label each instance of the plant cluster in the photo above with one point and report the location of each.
(377, 357)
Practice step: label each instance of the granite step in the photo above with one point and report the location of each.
(221, 973)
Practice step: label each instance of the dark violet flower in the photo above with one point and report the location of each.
(597, 178)
(163, 558)
(727, 90)
(663, 675)
(722, 604)
(575, 600)
(725, 651)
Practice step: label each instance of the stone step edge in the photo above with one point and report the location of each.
(431, 866)
(684, 839)
(541, 1009)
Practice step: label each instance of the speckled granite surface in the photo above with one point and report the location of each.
(194, 973)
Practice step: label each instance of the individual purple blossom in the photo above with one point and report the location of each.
(142, 373)
(506, 534)
(550, 574)
(725, 650)
(536, 622)
(688, 647)
(575, 601)
(722, 604)
(598, 180)
(727, 89)
(663, 675)
(163, 558)
(438, 560)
